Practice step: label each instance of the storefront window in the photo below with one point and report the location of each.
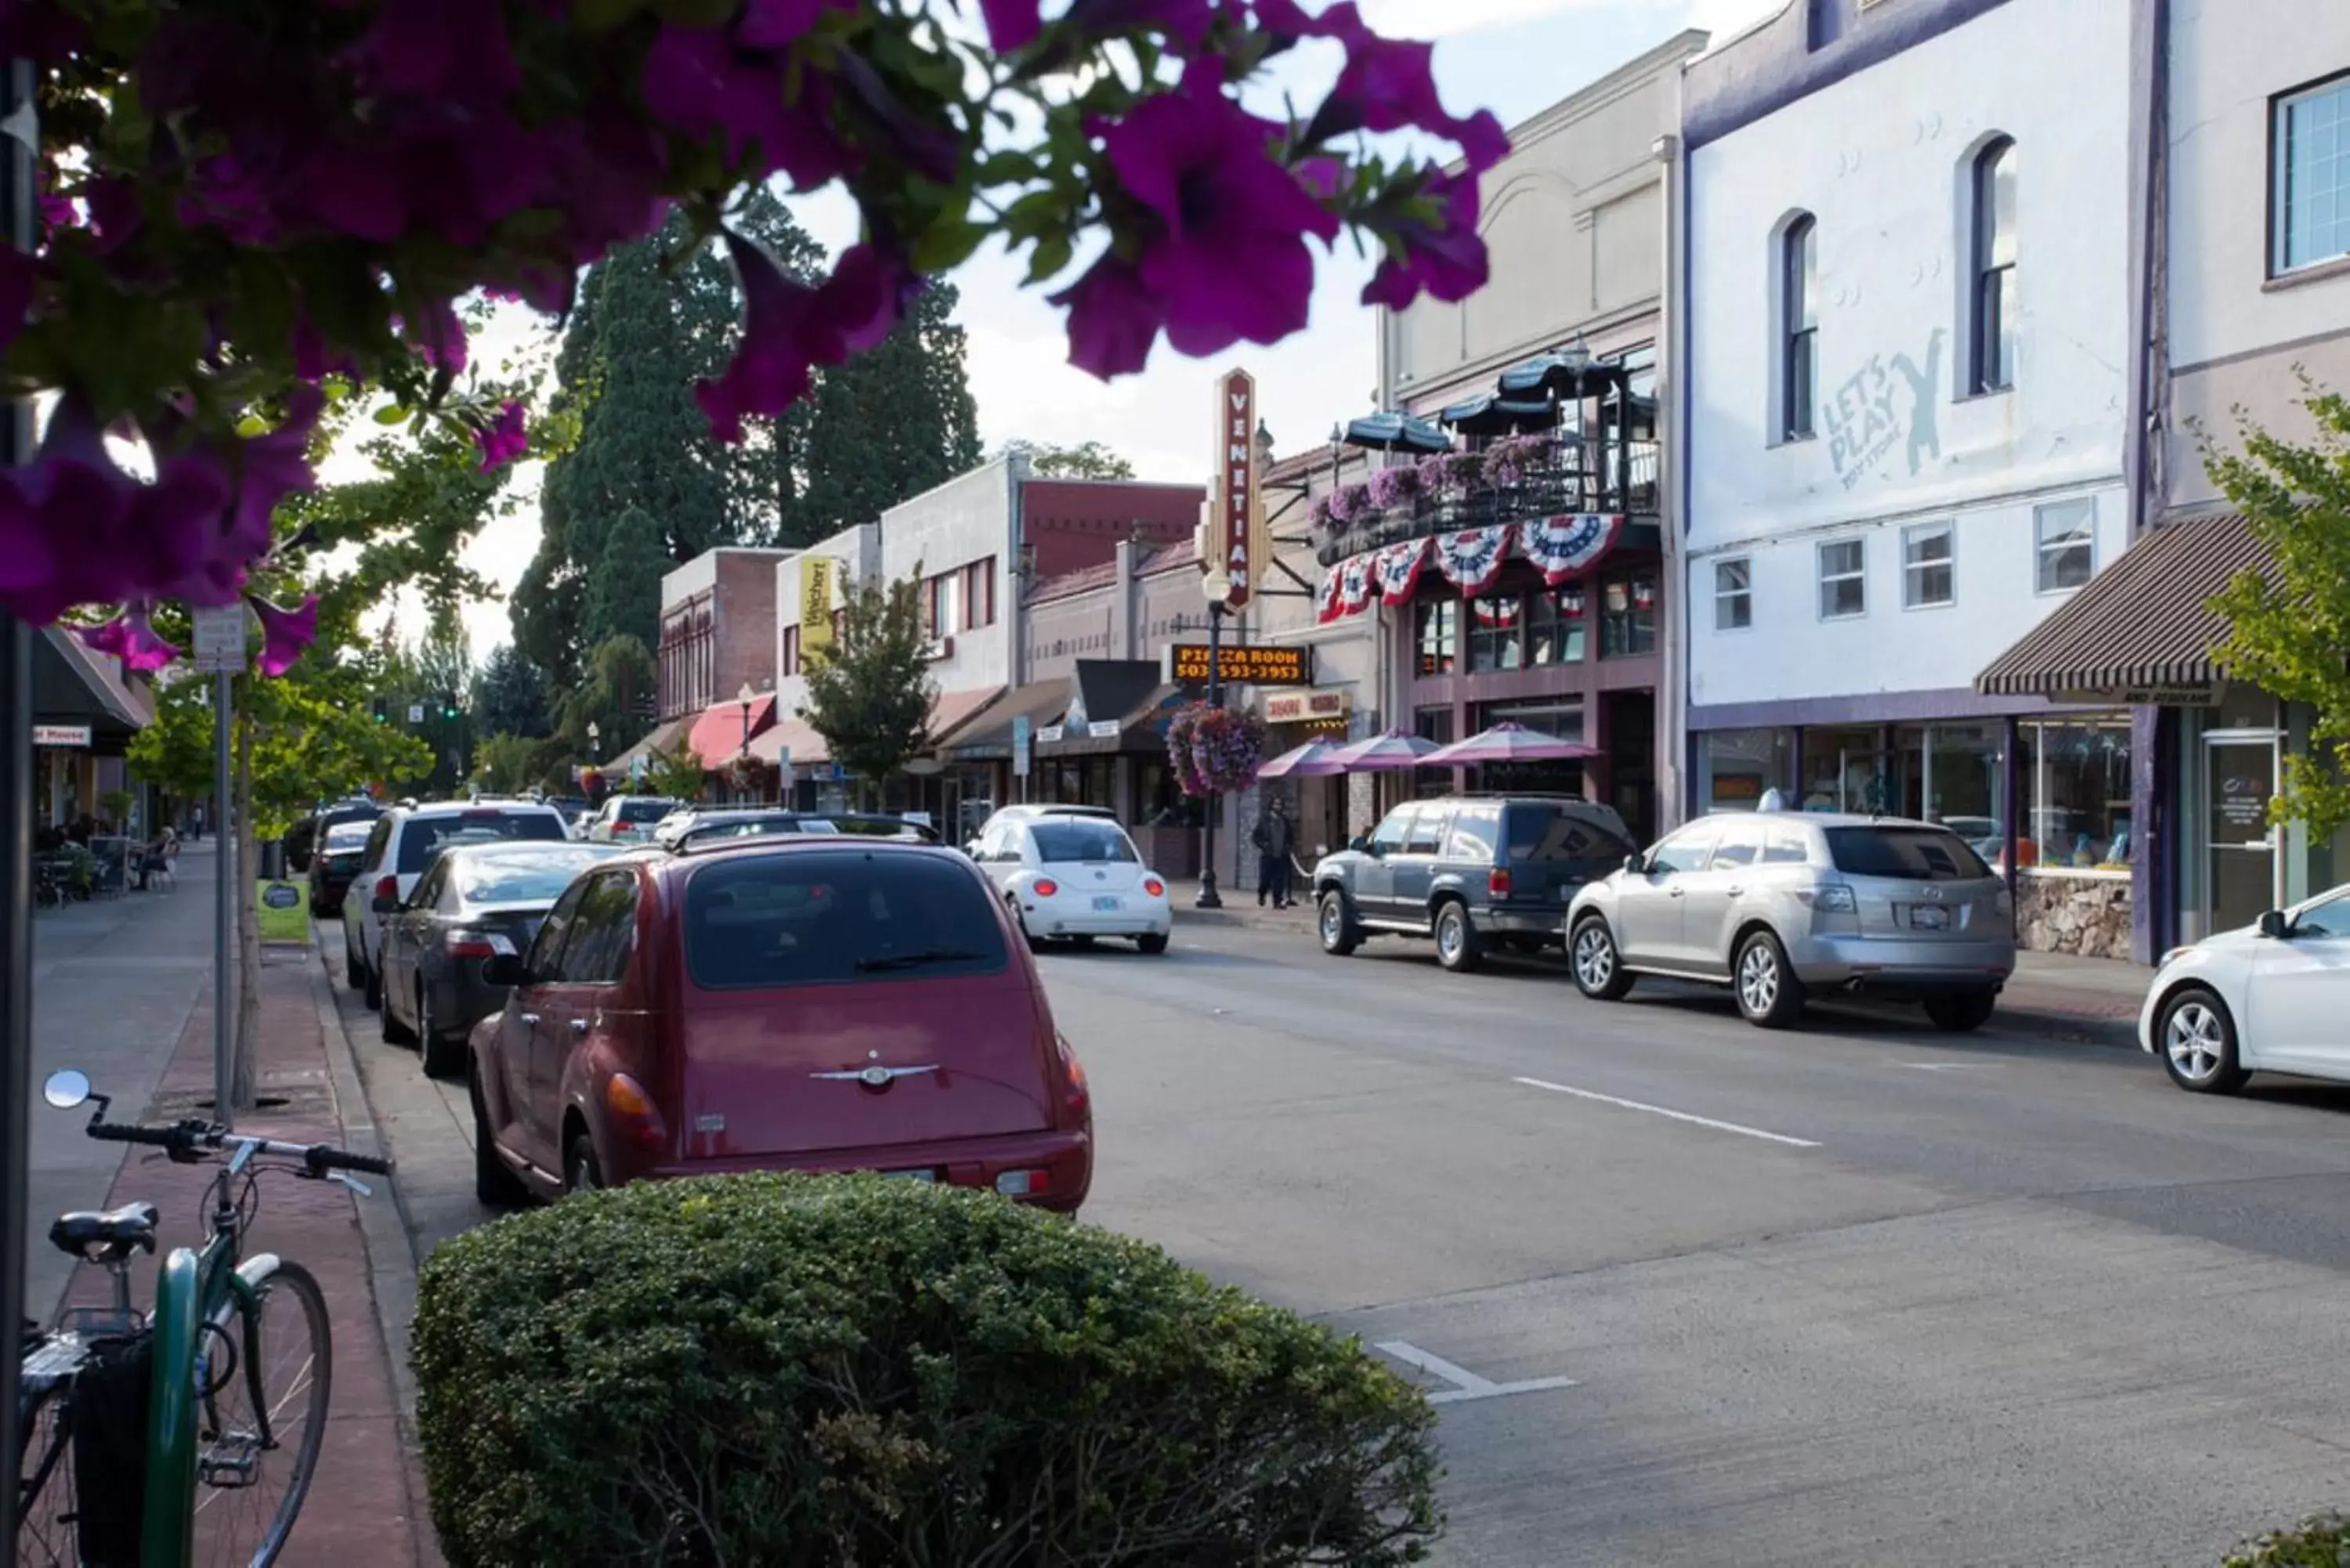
(1555, 623)
(1436, 624)
(2077, 784)
(1559, 718)
(1628, 617)
(1496, 632)
(1846, 769)
(1737, 767)
(1433, 724)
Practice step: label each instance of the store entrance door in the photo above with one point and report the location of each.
(2239, 776)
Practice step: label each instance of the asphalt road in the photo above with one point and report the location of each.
(1859, 1293)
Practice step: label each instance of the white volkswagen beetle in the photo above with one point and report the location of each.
(2272, 997)
(1073, 878)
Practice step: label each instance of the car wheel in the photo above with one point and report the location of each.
(353, 975)
(2198, 1044)
(1962, 1010)
(1153, 943)
(374, 984)
(1769, 995)
(1036, 943)
(1458, 948)
(395, 1032)
(443, 1057)
(1599, 972)
(581, 1170)
(1340, 936)
(493, 1185)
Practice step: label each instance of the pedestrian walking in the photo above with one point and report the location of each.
(1274, 837)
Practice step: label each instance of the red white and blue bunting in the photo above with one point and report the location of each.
(1566, 546)
(1396, 569)
(1472, 557)
(1559, 548)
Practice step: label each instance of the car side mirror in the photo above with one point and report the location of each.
(1359, 845)
(385, 904)
(2272, 924)
(504, 969)
(1635, 866)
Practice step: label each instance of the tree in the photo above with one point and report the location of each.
(503, 765)
(510, 696)
(619, 677)
(892, 423)
(2289, 625)
(679, 774)
(869, 694)
(1091, 460)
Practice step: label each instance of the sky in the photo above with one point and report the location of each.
(1513, 57)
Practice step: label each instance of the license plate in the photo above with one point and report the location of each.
(1929, 918)
(911, 1175)
(1107, 901)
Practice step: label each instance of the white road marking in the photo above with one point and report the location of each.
(1661, 1111)
(1466, 1384)
(1947, 1066)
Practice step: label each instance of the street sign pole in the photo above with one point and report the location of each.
(219, 639)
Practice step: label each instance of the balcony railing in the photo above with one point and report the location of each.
(1511, 481)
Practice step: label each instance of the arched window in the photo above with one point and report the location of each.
(1993, 187)
(1799, 315)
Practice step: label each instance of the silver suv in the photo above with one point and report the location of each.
(1778, 907)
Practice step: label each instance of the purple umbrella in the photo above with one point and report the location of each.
(1381, 752)
(1507, 743)
(1313, 760)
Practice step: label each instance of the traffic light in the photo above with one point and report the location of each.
(448, 704)
(380, 708)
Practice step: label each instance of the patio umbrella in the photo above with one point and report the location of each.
(1381, 752)
(1313, 760)
(1508, 744)
(1394, 432)
(1491, 414)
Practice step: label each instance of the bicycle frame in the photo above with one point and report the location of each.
(193, 1288)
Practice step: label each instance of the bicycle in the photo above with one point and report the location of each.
(218, 1396)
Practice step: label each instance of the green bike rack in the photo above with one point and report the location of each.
(163, 1536)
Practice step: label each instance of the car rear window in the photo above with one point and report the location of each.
(1061, 841)
(645, 810)
(1541, 833)
(823, 916)
(1925, 854)
(755, 827)
(425, 837)
(523, 877)
(348, 835)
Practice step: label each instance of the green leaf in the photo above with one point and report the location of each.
(1052, 254)
(603, 15)
(390, 414)
(947, 245)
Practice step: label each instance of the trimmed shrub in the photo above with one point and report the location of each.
(789, 1369)
(2320, 1543)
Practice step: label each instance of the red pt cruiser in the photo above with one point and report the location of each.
(795, 1004)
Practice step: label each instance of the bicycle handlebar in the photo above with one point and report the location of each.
(186, 1139)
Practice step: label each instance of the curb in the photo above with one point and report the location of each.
(384, 1232)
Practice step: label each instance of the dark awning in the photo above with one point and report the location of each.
(1117, 707)
(986, 735)
(1394, 432)
(75, 686)
(2140, 632)
(1490, 413)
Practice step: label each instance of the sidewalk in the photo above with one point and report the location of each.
(366, 1502)
(2055, 996)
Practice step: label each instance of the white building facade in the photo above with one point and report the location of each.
(1907, 323)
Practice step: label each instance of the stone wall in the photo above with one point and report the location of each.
(2089, 915)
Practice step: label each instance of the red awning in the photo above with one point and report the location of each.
(717, 737)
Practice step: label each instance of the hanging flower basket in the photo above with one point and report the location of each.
(1393, 487)
(1214, 749)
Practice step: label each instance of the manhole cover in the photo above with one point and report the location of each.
(274, 1100)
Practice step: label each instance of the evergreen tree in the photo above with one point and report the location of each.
(624, 581)
(890, 423)
(510, 696)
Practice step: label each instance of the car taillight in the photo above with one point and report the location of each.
(1047, 886)
(620, 827)
(387, 887)
(1023, 1183)
(1831, 898)
(1154, 887)
(1079, 1100)
(633, 1115)
(475, 944)
(1497, 882)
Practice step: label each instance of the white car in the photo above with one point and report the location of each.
(401, 846)
(1072, 877)
(629, 819)
(2271, 997)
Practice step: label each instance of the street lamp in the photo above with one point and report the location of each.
(743, 770)
(595, 742)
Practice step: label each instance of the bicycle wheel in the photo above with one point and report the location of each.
(253, 1473)
(46, 1537)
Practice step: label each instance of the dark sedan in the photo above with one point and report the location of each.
(476, 902)
(336, 865)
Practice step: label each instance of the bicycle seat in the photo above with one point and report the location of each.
(118, 1230)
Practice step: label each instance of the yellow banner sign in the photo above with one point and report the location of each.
(815, 603)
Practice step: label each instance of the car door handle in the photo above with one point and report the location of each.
(1675, 892)
(1733, 892)
(529, 1018)
(578, 1028)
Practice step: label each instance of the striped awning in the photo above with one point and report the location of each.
(2139, 628)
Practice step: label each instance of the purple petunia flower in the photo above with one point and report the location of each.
(1113, 319)
(284, 633)
(504, 440)
(436, 49)
(130, 636)
(1388, 84)
(697, 84)
(1011, 23)
(779, 24)
(1447, 263)
(1230, 260)
(788, 328)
